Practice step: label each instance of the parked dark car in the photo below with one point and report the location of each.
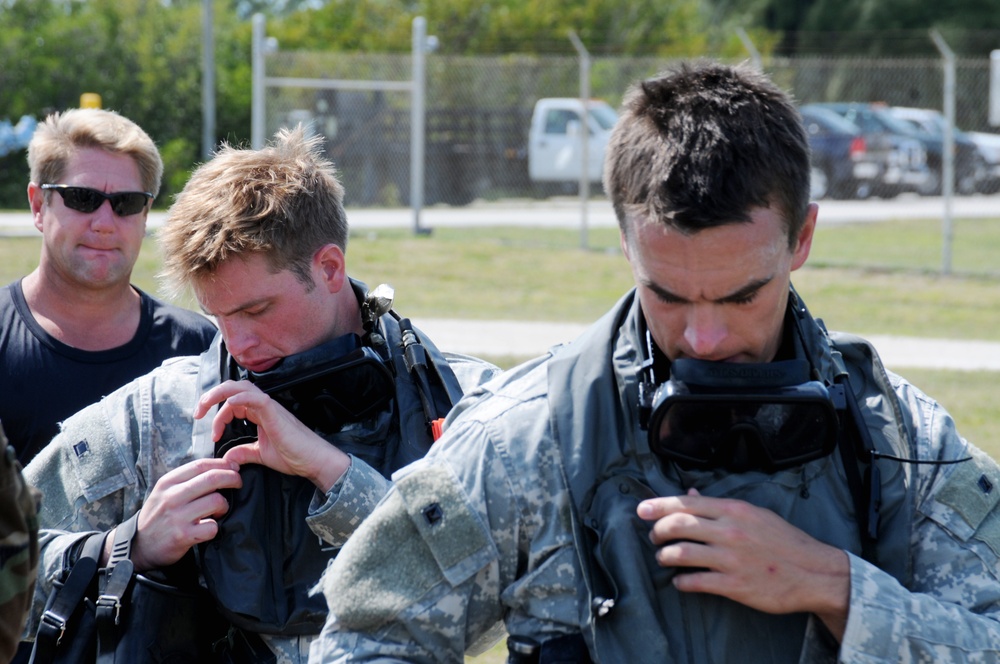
(843, 164)
(976, 175)
(875, 117)
(907, 169)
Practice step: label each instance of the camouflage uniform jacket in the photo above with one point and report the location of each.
(106, 459)
(478, 536)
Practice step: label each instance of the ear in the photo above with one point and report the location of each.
(804, 242)
(623, 240)
(36, 198)
(330, 267)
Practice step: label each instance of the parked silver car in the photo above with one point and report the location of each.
(989, 147)
(970, 167)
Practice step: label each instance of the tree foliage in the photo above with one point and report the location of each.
(466, 27)
(144, 59)
(889, 27)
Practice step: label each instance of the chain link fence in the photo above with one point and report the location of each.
(478, 110)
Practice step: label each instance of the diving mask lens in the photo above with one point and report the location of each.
(741, 417)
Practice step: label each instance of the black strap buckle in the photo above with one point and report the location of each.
(111, 597)
(52, 623)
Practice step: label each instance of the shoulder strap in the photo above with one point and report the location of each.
(421, 367)
(64, 600)
(862, 476)
(436, 362)
(118, 576)
(859, 451)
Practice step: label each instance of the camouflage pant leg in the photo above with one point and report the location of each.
(18, 549)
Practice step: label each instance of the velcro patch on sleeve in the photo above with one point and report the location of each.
(973, 489)
(393, 559)
(95, 456)
(441, 514)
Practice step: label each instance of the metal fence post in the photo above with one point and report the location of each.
(417, 120)
(584, 135)
(257, 93)
(751, 49)
(994, 113)
(948, 149)
(207, 80)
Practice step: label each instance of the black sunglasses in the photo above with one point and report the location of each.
(85, 199)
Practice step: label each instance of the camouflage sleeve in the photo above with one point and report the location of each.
(352, 498)
(67, 473)
(18, 549)
(470, 371)
(97, 471)
(951, 612)
(471, 537)
(403, 587)
(335, 517)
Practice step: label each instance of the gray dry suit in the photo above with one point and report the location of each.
(608, 481)
(534, 486)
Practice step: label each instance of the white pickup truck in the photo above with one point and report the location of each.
(554, 139)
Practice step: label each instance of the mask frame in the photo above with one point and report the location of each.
(336, 383)
(743, 416)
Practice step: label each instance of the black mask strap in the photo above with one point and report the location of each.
(864, 478)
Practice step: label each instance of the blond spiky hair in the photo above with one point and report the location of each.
(283, 201)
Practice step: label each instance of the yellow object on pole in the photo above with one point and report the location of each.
(90, 100)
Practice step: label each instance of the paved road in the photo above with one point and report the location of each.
(566, 212)
(525, 339)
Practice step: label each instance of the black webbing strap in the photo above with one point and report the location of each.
(118, 576)
(854, 437)
(65, 600)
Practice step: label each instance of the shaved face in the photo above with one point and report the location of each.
(718, 294)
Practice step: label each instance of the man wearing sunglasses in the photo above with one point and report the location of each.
(257, 459)
(75, 329)
(705, 475)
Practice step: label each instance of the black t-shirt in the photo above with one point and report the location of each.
(43, 381)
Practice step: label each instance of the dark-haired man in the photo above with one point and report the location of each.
(705, 475)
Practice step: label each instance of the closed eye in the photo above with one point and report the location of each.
(255, 311)
(741, 299)
(744, 296)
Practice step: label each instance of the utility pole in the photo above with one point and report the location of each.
(584, 135)
(207, 80)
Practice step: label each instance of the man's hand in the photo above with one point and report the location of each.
(181, 511)
(283, 443)
(752, 556)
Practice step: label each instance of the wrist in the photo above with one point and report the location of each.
(328, 474)
(837, 599)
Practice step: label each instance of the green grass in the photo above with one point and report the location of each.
(494, 273)
(868, 278)
(865, 278)
(541, 274)
(910, 245)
